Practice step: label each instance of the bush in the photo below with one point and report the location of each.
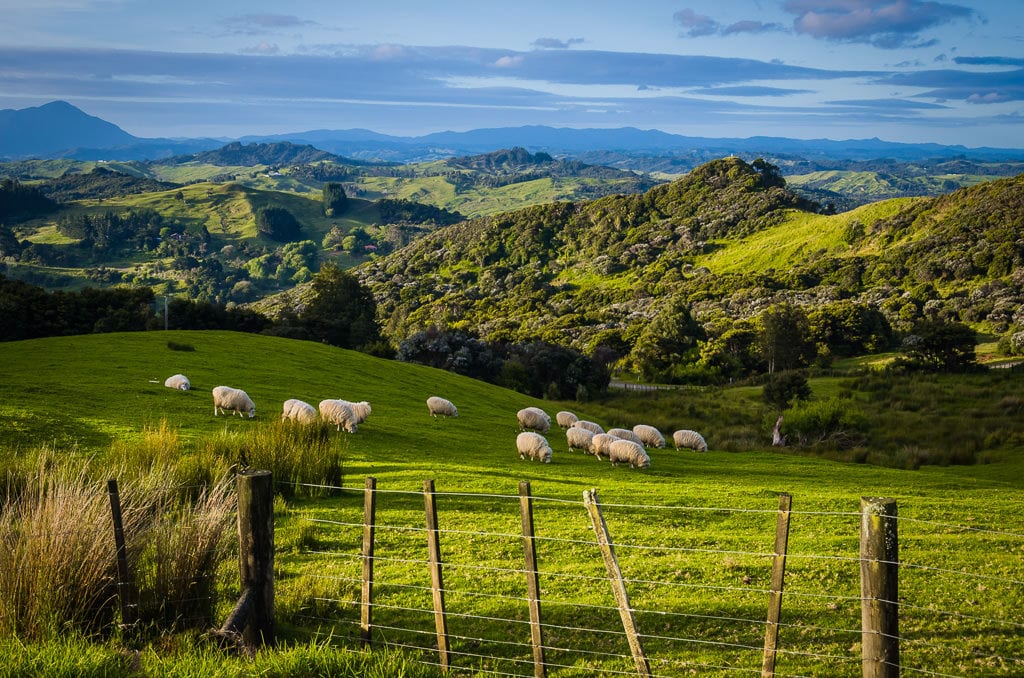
(831, 423)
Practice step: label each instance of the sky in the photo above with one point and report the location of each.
(943, 71)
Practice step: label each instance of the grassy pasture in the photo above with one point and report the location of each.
(694, 531)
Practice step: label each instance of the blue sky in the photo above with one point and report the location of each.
(945, 71)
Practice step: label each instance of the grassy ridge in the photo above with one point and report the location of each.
(99, 388)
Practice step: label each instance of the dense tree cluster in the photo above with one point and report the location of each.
(278, 224)
(333, 198)
(19, 202)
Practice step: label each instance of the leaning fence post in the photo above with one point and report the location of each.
(771, 632)
(618, 584)
(126, 593)
(532, 580)
(252, 619)
(437, 584)
(369, 523)
(879, 588)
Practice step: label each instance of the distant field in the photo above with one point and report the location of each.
(82, 394)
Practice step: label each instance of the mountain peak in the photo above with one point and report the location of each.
(55, 128)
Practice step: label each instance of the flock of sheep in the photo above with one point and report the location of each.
(618, 445)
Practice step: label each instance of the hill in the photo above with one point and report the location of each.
(54, 128)
(100, 183)
(247, 155)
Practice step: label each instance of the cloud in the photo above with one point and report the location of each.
(884, 23)
(509, 62)
(263, 47)
(749, 91)
(887, 104)
(261, 24)
(696, 25)
(989, 61)
(555, 43)
(755, 27)
(981, 87)
(989, 98)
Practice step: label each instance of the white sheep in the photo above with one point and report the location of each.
(600, 443)
(178, 381)
(339, 413)
(361, 410)
(627, 451)
(578, 438)
(690, 439)
(534, 446)
(649, 436)
(625, 434)
(237, 401)
(589, 425)
(566, 419)
(534, 418)
(439, 407)
(298, 411)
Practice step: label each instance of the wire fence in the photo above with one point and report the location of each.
(699, 582)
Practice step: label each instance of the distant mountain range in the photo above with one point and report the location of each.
(60, 130)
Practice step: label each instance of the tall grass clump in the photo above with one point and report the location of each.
(159, 450)
(301, 457)
(59, 568)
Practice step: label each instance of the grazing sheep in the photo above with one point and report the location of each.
(629, 452)
(578, 438)
(298, 411)
(600, 443)
(178, 381)
(534, 418)
(227, 399)
(339, 413)
(439, 407)
(589, 425)
(534, 446)
(625, 434)
(649, 436)
(360, 409)
(566, 419)
(690, 439)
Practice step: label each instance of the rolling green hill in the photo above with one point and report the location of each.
(85, 396)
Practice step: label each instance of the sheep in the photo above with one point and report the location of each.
(589, 425)
(298, 411)
(227, 399)
(599, 444)
(578, 438)
(534, 418)
(178, 381)
(625, 434)
(629, 452)
(566, 419)
(439, 407)
(649, 436)
(533, 445)
(339, 413)
(361, 410)
(690, 439)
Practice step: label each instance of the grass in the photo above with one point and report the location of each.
(691, 570)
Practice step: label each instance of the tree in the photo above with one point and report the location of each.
(783, 388)
(341, 312)
(278, 224)
(334, 199)
(784, 338)
(940, 345)
(668, 341)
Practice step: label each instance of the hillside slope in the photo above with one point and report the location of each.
(728, 239)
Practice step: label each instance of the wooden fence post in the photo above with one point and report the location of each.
(436, 581)
(369, 525)
(532, 580)
(611, 563)
(127, 595)
(879, 588)
(252, 619)
(771, 632)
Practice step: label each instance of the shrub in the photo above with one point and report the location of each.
(831, 423)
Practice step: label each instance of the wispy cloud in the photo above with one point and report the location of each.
(555, 43)
(262, 24)
(263, 47)
(989, 61)
(699, 25)
(749, 91)
(884, 23)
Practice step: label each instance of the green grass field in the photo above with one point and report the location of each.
(694, 532)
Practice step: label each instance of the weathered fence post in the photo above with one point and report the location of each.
(436, 581)
(252, 619)
(771, 632)
(127, 596)
(532, 580)
(369, 525)
(611, 563)
(879, 588)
